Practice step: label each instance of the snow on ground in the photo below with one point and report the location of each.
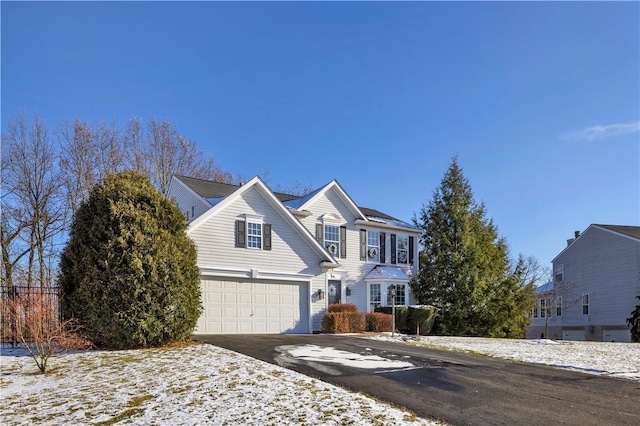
(193, 385)
(207, 385)
(607, 358)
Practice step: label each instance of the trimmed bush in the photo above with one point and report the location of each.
(129, 272)
(377, 321)
(344, 322)
(343, 307)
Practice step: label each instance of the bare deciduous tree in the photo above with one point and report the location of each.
(170, 153)
(33, 198)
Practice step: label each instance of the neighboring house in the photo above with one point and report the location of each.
(595, 281)
(272, 262)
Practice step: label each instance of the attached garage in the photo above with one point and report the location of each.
(613, 335)
(577, 335)
(233, 306)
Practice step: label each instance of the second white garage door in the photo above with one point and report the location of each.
(253, 306)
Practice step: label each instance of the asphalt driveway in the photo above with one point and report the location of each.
(457, 388)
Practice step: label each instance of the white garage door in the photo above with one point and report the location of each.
(573, 335)
(616, 336)
(253, 306)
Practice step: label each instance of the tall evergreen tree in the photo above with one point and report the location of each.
(128, 272)
(465, 270)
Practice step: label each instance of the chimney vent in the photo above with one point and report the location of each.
(577, 234)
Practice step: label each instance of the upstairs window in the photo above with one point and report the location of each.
(558, 273)
(332, 239)
(252, 233)
(543, 308)
(373, 246)
(402, 249)
(585, 304)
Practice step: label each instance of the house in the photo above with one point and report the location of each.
(595, 281)
(272, 262)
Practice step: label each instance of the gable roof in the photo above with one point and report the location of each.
(215, 192)
(632, 232)
(333, 185)
(276, 204)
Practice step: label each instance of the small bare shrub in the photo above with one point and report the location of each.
(344, 322)
(36, 325)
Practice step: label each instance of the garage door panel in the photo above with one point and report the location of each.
(252, 306)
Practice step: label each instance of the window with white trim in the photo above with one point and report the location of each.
(400, 295)
(402, 249)
(254, 235)
(585, 304)
(375, 299)
(373, 246)
(543, 308)
(332, 239)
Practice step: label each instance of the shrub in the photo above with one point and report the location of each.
(409, 318)
(36, 325)
(128, 272)
(344, 322)
(343, 307)
(377, 321)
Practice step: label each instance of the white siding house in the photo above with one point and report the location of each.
(272, 262)
(596, 279)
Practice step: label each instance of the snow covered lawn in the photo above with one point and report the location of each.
(207, 385)
(194, 385)
(607, 358)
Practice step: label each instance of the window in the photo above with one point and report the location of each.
(332, 239)
(585, 304)
(558, 273)
(535, 312)
(373, 246)
(374, 296)
(543, 308)
(193, 212)
(559, 307)
(254, 235)
(400, 295)
(402, 249)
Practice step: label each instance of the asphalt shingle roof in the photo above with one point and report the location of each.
(630, 231)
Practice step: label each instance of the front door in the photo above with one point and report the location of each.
(335, 291)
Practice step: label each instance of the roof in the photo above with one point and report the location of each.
(624, 230)
(214, 192)
(383, 272)
(545, 288)
(629, 231)
(210, 189)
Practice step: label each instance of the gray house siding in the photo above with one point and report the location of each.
(604, 265)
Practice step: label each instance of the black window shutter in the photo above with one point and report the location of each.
(343, 242)
(393, 249)
(241, 234)
(383, 246)
(266, 244)
(363, 244)
(319, 229)
(411, 249)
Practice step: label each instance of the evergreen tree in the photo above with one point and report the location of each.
(128, 272)
(465, 270)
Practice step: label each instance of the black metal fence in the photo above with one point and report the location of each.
(25, 311)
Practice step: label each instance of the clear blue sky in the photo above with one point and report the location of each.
(539, 101)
